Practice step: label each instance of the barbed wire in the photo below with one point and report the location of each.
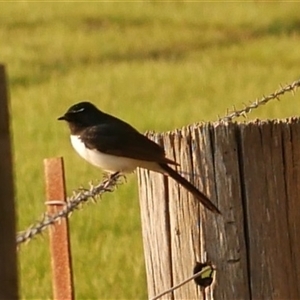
(73, 203)
(175, 287)
(259, 102)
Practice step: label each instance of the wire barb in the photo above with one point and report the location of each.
(74, 202)
(234, 113)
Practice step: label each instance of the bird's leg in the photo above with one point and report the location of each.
(109, 176)
(113, 175)
(117, 175)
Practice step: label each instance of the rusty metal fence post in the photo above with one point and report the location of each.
(62, 278)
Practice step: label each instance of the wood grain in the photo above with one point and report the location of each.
(251, 172)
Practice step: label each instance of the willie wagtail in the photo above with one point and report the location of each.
(115, 146)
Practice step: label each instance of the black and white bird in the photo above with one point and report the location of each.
(115, 146)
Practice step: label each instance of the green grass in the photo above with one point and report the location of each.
(157, 65)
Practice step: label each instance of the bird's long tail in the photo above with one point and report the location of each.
(192, 189)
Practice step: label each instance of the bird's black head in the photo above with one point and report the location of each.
(82, 114)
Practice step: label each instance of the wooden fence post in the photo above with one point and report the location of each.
(252, 173)
(8, 261)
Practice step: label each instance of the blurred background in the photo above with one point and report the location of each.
(159, 66)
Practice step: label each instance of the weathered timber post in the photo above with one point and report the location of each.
(8, 257)
(252, 173)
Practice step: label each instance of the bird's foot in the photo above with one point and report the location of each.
(109, 176)
(114, 175)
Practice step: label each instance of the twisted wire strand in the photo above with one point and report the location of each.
(73, 203)
(235, 113)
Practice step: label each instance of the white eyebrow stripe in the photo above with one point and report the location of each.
(79, 110)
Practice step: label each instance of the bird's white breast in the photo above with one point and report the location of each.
(109, 162)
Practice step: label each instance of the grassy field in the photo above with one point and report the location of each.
(157, 65)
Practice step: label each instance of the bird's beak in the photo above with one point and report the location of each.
(61, 118)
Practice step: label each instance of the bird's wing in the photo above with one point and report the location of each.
(123, 141)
